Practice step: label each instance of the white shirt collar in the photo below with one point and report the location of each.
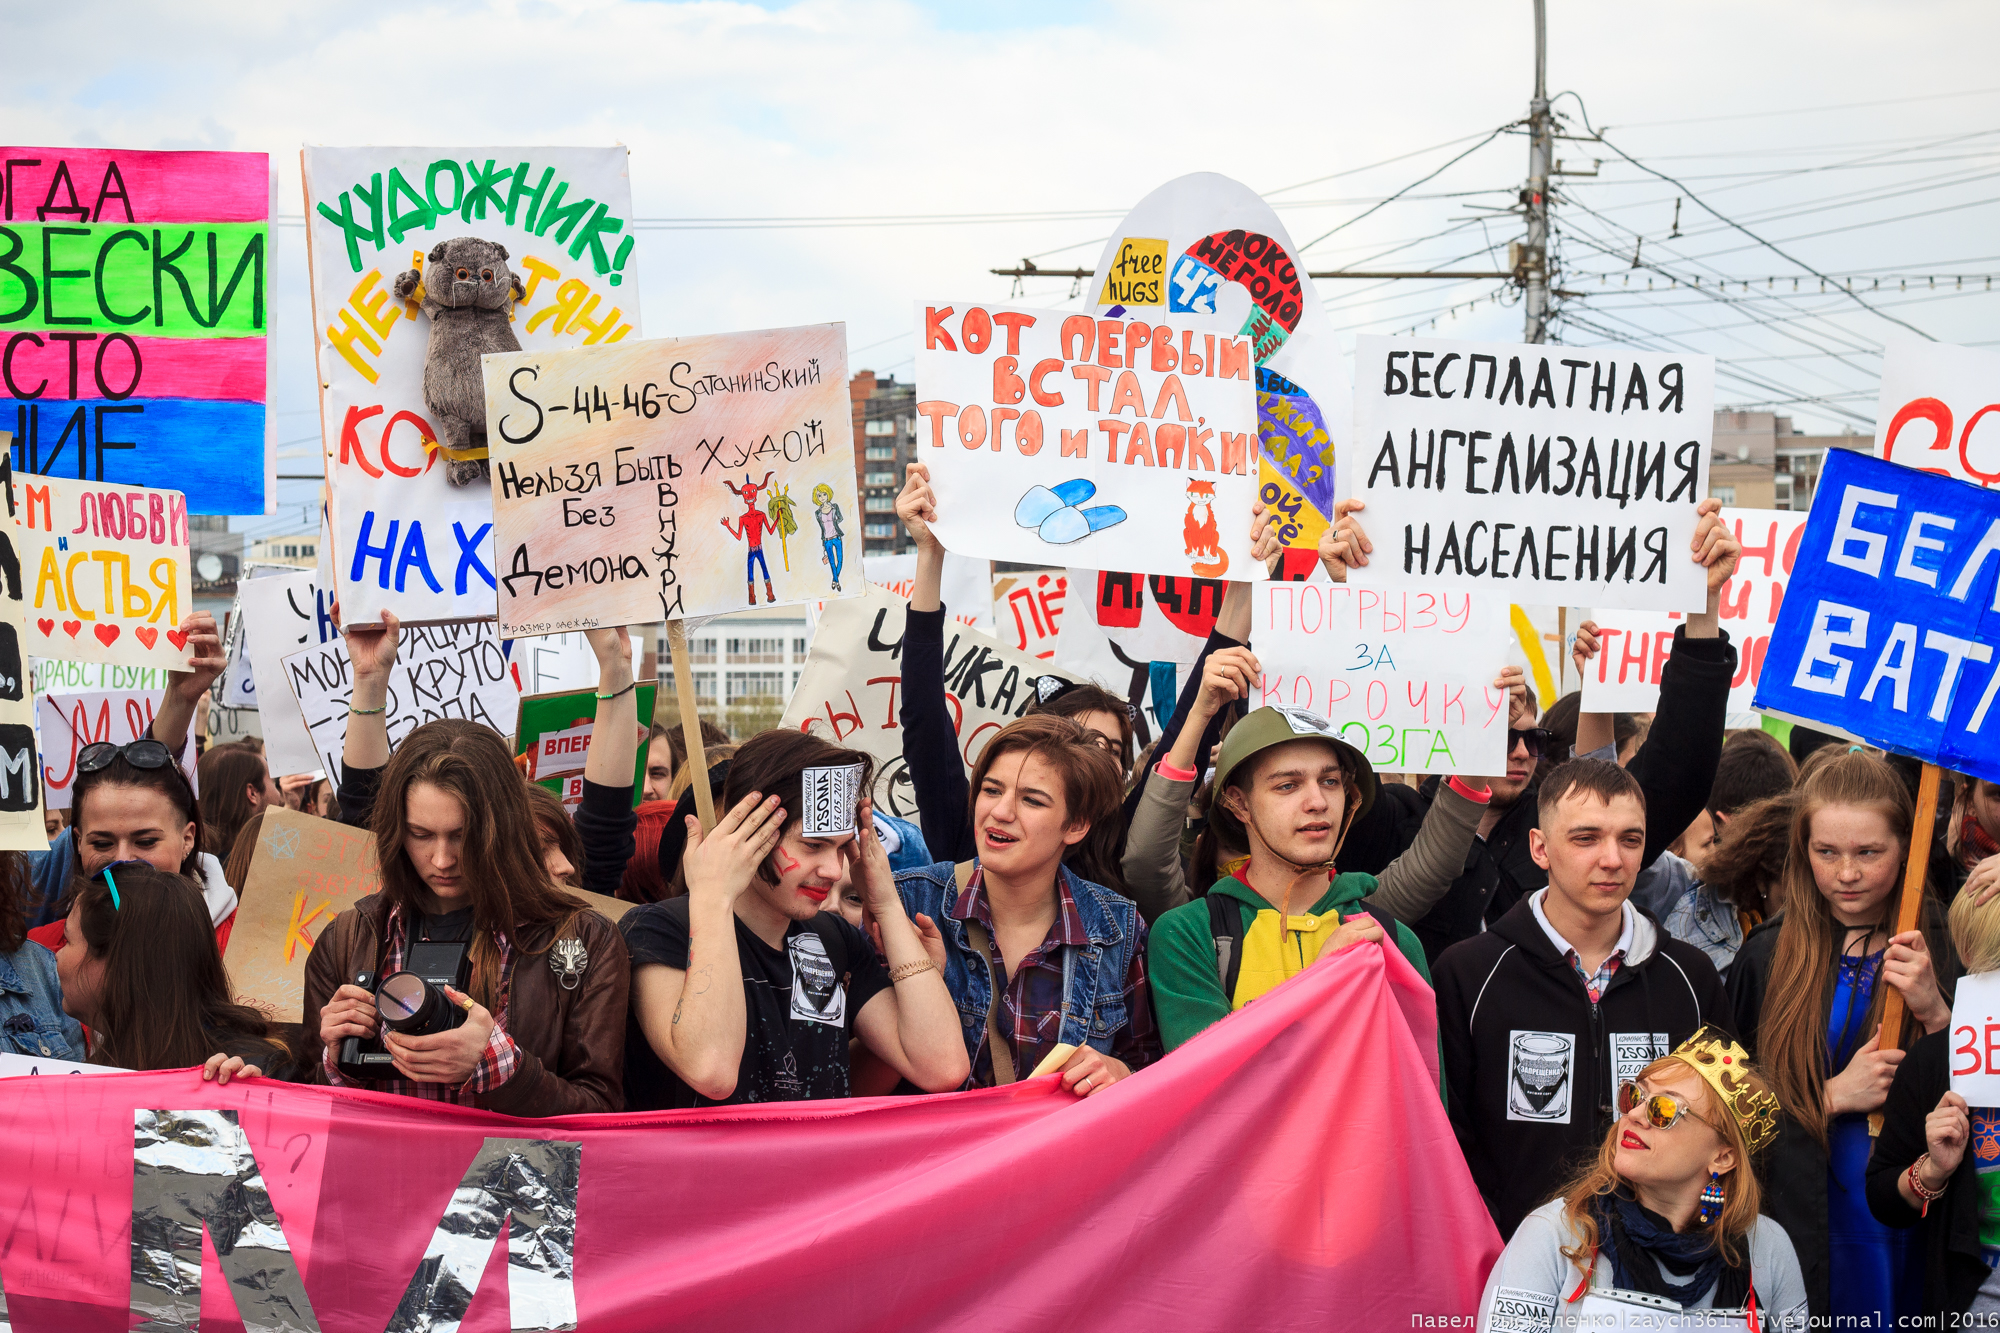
(1626, 934)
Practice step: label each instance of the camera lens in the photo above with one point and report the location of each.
(404, 1001)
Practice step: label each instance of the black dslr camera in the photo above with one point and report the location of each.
(411, 1002)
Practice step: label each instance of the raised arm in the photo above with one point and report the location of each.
(185, 689)
(930, 742)
(913, 1024)
(605, 819)
(364, 753)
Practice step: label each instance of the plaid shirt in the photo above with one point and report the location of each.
(496, 1064)
(1595, 983)
(1031, 1001)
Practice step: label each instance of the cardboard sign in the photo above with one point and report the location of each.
(305, 872)
(1892, 616)
(72, 721)
(671, 478)
(1028, 609)
(966, 586)
(1939, 409)
(1975, 1039)
(441, 671)
(1055, 438)
(21, 827)
(403, 536)
(554, 732)
(135, 313)
(281, 615)
(1406, 677)
(1210, 250)
(1636, 645)
(850, 690)
(109, 569)
(1531, 473)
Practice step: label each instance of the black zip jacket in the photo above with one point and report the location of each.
(1533, 1066)
(1953, 1268)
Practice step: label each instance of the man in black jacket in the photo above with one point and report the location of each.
(1572, 992)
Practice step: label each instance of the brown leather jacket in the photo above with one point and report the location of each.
(572, 1042)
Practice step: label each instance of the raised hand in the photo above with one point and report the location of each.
(916, 506)
(725, 861)
(1344, 545)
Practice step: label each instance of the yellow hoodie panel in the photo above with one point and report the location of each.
(1269, 960)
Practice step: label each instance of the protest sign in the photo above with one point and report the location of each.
(1975, 1039)
(1210, 250)
(305, 872)
(21, 827)
(1405, 676)
(237, 724)
(1028, 608)
(1152, 618)
(1636, 645)
(1934, 398)
(966, 585)
(72, 721)
(1892, 615)
(850, 690)
(31, 1066)
(441, 671)
(135, 320)
(1543, 637)
(630, 483)
(109, 570)
(554, 732)
(558, 663)
(1052, 437)
(53, 675)
(1530, 473)
(404, 536)
(281, 615)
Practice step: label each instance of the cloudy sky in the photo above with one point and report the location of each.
(836, 159)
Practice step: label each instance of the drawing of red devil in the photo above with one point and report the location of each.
(752, 527)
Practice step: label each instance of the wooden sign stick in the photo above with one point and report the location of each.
(1908, 907)
(677, 645)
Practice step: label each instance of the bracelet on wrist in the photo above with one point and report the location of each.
(906, 970)
(1921, 1190)
(606, 698)
(367, 712)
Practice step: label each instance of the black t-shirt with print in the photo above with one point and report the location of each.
(797, 1017)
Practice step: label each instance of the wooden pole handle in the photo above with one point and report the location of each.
(1909, 906)
(704, 799)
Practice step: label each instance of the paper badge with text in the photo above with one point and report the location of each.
(1056, 438)
(1532, 473)
(109, 571)
(829, 799)
(672, 477)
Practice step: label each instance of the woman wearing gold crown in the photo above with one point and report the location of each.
(1666, 1218)
(1937, 1165)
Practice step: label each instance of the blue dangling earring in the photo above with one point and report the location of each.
(1712, 1199)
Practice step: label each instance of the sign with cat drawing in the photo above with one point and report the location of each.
(1056, 438)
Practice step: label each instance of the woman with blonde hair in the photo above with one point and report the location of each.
(1667, 1218)
(1808, 991)
(1936, 1166)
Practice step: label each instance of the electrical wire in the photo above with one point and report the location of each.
(1422, 180)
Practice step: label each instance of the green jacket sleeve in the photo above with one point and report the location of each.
(1406, 940)
(1180, 965)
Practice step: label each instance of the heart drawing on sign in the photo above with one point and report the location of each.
(105, 633)
(70, 627)
(46, 626)
(145, 634)
(178, 638)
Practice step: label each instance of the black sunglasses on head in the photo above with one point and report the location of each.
(1539, 740)
(147, 753)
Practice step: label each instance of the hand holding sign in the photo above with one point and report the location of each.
(1864, 1084)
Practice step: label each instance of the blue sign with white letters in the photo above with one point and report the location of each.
(1890, 627)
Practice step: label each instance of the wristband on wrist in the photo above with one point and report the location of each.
(1172, 774)
(1477, 797)
(606, 698)
(1921, 1190)
(367, 712)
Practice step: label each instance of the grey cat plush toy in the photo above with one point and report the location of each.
(469, 295)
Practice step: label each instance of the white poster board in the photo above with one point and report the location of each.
(281, 615)
(1975, 1039)
(109, 571)
(966, 586)
(71, 721)
(1028, 610)
(1939, 409)
(1532, 473)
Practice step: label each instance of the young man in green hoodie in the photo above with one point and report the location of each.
(1287, 788)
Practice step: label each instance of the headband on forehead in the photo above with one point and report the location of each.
(829, 801)
(1048, 689)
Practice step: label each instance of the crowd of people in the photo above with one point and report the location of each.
(1660, 953)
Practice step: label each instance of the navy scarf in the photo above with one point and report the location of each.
(1638, 1242)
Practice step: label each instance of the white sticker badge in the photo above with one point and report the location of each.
(828, 800)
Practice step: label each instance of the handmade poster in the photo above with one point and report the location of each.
(72, 721)
(305, 872)
(1055, 438)
(553, 732)
(281, 615)
(1891, 616)
(1939, 409)
(1152, 618)
(1028, 609)
(236, 724)
(1636, 645)
(632, 483)
(1405, 677)
(1210, 250)
(134, 304)
(1543, 637)
(441, 671)
(31, 1066)
(237, 686)
(564, 663)
(1975, 1038)
(53, 675)
(966, 586)
(21, 828)
(850, 689)
(1532, 473)
(437, 255)
(109, 572)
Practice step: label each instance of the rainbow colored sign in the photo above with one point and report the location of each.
(134, 305)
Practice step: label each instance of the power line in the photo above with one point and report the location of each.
(1411, 186)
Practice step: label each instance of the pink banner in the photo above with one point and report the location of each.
(71, 185)
(1290, 1165)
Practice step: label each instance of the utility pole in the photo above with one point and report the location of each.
(1532, 271)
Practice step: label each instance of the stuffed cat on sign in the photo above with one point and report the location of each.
(469, 295)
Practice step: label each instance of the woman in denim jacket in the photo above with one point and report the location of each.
(1035, 955)
(32, 1021)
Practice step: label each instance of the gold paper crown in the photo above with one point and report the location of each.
(1722, 1064)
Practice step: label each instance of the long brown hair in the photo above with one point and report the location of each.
(1792, 1029)
(502, 857)
(226, 773)
(552, 822)
(1741, 1198)
(1089, 697)
(1091, 787)
(14, 889)
(165, 1002)
(236, 870)
(1747, 868)
(168, 780)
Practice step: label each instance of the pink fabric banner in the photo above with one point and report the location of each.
(1290, 1166)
